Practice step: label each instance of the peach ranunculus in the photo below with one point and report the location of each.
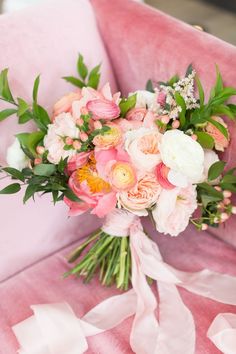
(221, 142)
(174, 209)
(142, 146)
(100, 104)
(122, 176)
(142, 196)
(65, 103)
(136, 114)
(110, 138)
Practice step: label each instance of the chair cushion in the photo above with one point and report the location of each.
(43, 39)
(156, 46)
(43, 283)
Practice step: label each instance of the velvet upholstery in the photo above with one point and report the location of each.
(42, 39)
(141, 43)
(145, 43)
(42, 283)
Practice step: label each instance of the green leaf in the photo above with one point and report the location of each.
(74, 81)
(29, 192)
(94, 77)
(206, 199)
(44, 169)
(55, 196)
(24, 118)
(229, 179)
(22, 107)
(30, 141)
(36, 88)
(11, 189)
(210, 190)
(223, 96)
(200, 91)
(173, 80)
(149, 86)
(232, 107)
(5, 91)
(82, 68)
(205, 140)
(219, 82)
(6, 113)
(62, 165)
(189, 70)
(43, 116)
(14, 173)
(228, 187)
(223, 109)
(127, 104)
(180, 102)
(215, 170)
(198, 117)
(70, 195)
(219, 126)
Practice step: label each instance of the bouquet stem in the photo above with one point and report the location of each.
(105, 254)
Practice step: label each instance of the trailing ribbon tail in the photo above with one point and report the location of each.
(172, 332)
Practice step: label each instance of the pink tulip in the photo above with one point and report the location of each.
(103, 109)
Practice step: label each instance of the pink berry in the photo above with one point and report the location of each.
(220, 205)
(175, 124)
(97, 124)
(37, 161)
(69, 141)
(84, 111)
(233, 210)
(194, 137)
(227, 194)
(79, 122)
(77, 145)
(204, 227)
(165, 119)
(227, 201)
(40, 150)
(224, 217)
(83, 136)
(217, 188)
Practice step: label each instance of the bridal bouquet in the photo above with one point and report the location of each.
(153, 153)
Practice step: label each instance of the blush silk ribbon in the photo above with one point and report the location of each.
(54, 328)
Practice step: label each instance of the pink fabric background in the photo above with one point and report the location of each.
(141, 43)
(145, 43)
(43, 39)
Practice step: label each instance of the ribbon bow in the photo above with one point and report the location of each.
(173, 333)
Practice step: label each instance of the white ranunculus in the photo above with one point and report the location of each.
(142, 146)
(182, 154)
(146, 99)
(210, 157)
(16, 157)
(63, 126)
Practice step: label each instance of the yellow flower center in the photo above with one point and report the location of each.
(89, 174)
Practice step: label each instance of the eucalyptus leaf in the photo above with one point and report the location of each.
(44, 169)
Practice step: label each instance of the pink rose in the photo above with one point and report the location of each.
(142, 196)
(65, 103)
(174, 209)
(136, 114)
(221, 142)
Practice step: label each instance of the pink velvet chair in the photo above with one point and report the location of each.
(134, 43)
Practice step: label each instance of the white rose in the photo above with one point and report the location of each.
(146, 99)
(142, 146)
(174, 209)
(210, 157)
(16, 157)
(62, 127)
(183, 155)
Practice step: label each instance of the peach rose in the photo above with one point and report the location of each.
(221, 142)
(174, 209)
(122, 176)
(142, 196)
(110, 138)
(65, 103)
(142, 146)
